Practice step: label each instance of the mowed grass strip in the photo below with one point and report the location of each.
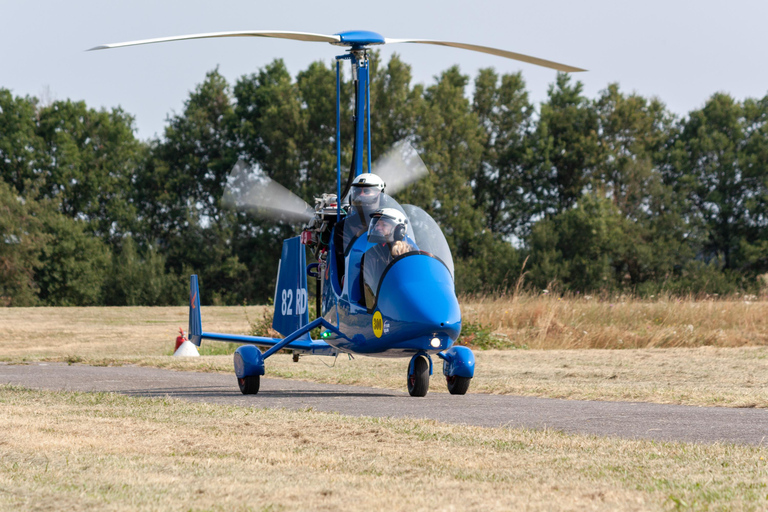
(706, 375)
(77, 451)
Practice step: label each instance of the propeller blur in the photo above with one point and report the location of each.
(249, 189)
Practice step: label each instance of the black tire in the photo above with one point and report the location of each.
(249, 385)
(458, 385)
(418, 381)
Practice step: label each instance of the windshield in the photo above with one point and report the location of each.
(421, 236)
(428, 235)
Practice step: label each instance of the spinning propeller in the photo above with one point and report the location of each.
(249, 189)
(355, 39)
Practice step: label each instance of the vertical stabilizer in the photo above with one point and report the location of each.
(195, 322)
(291, 299)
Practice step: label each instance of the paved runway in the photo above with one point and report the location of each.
(623, 419)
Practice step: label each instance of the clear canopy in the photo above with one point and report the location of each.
(422, 236)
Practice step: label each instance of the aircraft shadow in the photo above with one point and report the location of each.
(216, 392)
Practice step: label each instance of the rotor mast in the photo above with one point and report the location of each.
(358, 57)
(358, 42)
(360, 70)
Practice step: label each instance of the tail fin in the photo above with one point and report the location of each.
(195, 322)
(291, 297)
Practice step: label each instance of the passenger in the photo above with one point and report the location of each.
(365, 198)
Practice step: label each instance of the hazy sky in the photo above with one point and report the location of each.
(680, 51)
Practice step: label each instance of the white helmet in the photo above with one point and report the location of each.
(369, 180)
(366, 191)
(387, 225)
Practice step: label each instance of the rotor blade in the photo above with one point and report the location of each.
(400, 167)
(249, 189)
(281, 34)
(492, 51)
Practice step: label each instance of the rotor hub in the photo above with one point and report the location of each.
(359, 39)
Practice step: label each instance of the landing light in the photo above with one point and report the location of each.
(435, 342)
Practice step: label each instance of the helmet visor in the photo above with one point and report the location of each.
(365, 195)
(381, 230)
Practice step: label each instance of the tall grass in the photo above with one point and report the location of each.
(550, 321)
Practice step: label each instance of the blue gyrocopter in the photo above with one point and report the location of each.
(384, 273)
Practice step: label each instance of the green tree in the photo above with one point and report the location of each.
(583, 247)
(180, 191)
(269, 117)
(316, 138)
(394, 103)
(90, 158)
(753, 248)
(502, 181)
(719, 165)
(450, 140)
(22, 239)
(185, 180)
(566, 147)
(73, 264)
(137, 279)
(634, 134)
(20, 146)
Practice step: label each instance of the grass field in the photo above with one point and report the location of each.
(78, 451)
(733, 373)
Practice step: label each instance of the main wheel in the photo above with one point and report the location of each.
(418, 381)
(249, 385)
(458, 385)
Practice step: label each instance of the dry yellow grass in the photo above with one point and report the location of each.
(103, 331)
(550, 322)
(708, 375)
(71, 451)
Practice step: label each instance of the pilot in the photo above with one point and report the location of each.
(389, 231)
(390, 226)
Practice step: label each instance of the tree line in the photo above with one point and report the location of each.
(613, 193)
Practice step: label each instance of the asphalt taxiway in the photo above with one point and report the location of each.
(623, 419)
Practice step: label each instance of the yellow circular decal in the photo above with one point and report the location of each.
(378, 324)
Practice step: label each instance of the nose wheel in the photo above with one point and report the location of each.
(418, 377)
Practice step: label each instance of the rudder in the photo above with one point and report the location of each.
(291, 299)
(195, 321)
